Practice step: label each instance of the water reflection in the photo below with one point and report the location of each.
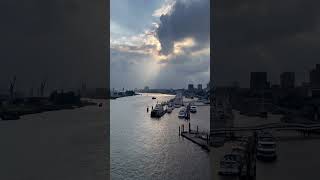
(146, 148)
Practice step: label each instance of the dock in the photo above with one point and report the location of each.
(199, 138)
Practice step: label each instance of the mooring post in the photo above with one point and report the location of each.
(189, 127)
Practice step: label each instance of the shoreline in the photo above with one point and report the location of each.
(14, 112)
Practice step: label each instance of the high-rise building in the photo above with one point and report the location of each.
(258, 81)
(315, 77)
(287, 80)
(190, 87)
(199, 87)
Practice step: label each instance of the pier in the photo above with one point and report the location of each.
(199, 138)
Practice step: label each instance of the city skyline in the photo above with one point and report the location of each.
(266, 36)
(154, 43)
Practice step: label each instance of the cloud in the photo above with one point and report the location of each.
(164, 9)
(187, 19)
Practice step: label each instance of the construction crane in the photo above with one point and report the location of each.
(42, 87)
(12, 87)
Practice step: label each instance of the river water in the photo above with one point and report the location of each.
(64, 144)
(146, 148)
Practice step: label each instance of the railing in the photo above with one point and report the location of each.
(275, 126)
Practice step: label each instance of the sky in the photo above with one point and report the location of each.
(264, 35)
(159, 43)
(61, 41)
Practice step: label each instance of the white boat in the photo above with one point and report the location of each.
(230, 165)
(266, 146)
(182, 113)
(177, 105)
(193, 109)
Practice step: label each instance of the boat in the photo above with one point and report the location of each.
(266, 146)
(193, 109)
(182, 113)
(169, 110)
(154, 98)
(177, 105)
(230, 165)
(9, 116)
(158, 111)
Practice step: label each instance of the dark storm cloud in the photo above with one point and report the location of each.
(264, 35)
(58, 40)
(185, 20)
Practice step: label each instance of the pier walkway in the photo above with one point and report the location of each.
(275, 126)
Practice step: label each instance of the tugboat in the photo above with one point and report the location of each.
(266, 146)
(158, 111)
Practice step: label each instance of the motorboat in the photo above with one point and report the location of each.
(182, 113)
(193, 109)
(230, 165)
(266, 146)
(157, 111)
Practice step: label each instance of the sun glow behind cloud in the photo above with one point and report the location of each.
(147, 61)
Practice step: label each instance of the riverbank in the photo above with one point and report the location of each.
(14, 111)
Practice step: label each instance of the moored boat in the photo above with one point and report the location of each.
(182, 113)
(266, 146)
(158, 111)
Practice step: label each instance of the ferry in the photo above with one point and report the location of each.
(158, 111)
(230, 165)
(182, 113)
(266, 146)
(193, 109)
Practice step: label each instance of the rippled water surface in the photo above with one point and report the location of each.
(146, 148)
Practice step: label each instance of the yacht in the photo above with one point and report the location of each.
(182, 113)
(266, 146)
(230, 165)
(158, 111)
(193, 109)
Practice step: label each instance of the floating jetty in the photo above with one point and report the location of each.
(199, 138)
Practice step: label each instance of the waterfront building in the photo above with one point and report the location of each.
(287, 80)
(315, 81)
(199, 87)
(315, 77)
(190, 87)
(258, 81)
